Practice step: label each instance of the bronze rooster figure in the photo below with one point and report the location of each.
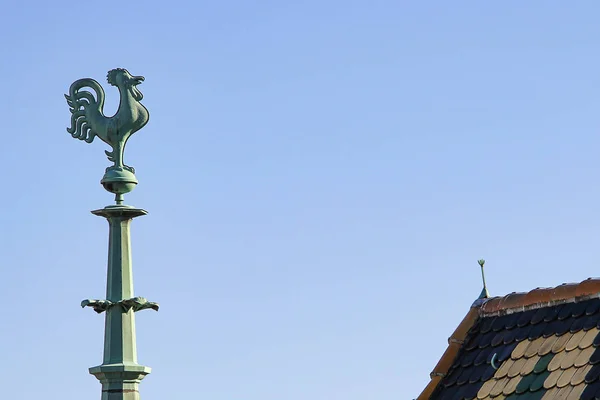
(88, 119)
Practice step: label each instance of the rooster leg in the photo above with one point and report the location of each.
(117, 155)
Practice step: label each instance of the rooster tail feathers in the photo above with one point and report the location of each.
(80, 102)
(76, 94)
(71, 103)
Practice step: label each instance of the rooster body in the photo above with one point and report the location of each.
(87, 113)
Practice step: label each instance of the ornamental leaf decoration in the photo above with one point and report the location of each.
(98, 305)
(136, 304)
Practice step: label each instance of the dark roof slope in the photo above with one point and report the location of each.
(544, 344)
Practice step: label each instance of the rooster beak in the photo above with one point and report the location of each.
(137, 79)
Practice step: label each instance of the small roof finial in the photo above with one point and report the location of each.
(484, 292)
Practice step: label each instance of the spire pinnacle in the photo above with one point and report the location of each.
(484, 292)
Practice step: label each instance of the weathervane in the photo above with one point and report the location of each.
(119, 372)
(484, 292)
(88, 121)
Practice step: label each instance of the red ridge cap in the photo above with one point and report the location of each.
(454, 344)
(566, 291)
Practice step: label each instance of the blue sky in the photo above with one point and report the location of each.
(320, 176)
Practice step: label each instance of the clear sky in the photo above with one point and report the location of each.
(321, 178)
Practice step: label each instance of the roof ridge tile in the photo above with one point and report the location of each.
(539, 297)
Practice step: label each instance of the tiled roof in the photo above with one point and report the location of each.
(544, 344)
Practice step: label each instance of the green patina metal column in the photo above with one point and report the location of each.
(119, 373)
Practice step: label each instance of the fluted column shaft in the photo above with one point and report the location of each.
(119, 372)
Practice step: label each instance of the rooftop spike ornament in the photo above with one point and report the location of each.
(119, 373)
(484, 292)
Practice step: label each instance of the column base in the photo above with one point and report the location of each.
(120, 381)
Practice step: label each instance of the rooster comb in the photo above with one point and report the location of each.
(111, 77)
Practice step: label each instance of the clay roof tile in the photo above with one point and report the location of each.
(540, 331)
